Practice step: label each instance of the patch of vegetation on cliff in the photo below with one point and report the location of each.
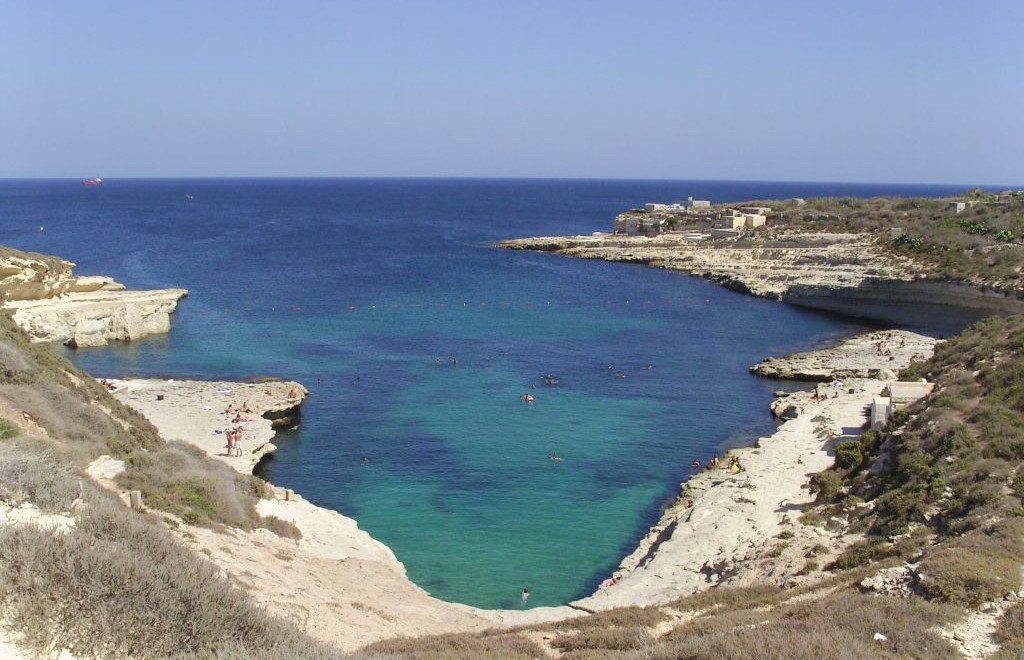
(55, 264)
(65, 401)
(949, 470)
(180, 479)
(829, 619)
(499, 645)
(116, 583)
(981, 244)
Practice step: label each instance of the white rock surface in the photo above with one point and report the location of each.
(51, 304)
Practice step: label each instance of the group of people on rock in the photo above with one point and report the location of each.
(235, 441)
(734, 464)
(110, 387)
(836, 386)
(235, 435)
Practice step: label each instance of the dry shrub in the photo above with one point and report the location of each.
(1009, 651)
(182, 480)
(40, 382)
(65, 417)
(712, 625)
(602, 639)
(12, 360)
(906, 622)
(1011, 625)
(731, 598)
(622, 617)
(283, 528)
(68, 416)
(790, 640)
(979, 566)
(841, 625)
(29, 472)
(8, 430)
(499, 646)
(117, 585)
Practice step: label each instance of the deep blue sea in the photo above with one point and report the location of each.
(416, 338)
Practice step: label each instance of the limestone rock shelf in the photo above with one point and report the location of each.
(52, 304)
(844, 273)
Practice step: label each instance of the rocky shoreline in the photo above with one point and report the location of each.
(192, 411)
(727, 528)
(894, 349)
(336, 582)
(843, 273)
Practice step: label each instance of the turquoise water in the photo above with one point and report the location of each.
(368, 290)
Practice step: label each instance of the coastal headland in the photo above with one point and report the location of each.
(847, 273)
(52, 304)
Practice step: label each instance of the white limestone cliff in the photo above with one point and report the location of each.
(845, 273)
(52, 304)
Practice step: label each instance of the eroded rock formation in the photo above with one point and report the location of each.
(845, 273)
(52, 304)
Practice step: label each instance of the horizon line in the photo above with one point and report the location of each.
(502, 178)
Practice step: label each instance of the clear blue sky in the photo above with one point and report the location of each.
(892, 91)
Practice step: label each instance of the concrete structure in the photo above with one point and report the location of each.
(637, 224)
(692, 203)
(674, 207)
(743, 218)
(880, 411)
(901, 395)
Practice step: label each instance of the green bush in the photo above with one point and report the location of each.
(849, 455)
(826, 486)
(182, 480)
(8, 430)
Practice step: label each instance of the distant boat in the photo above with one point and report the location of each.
(92, 182)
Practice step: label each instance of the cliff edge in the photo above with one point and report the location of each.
(847, 273)
(50, 303)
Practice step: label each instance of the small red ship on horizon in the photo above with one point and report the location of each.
(92, 182)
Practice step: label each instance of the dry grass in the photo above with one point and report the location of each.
(982, 565)
(67, 401)
(623, 617)
(723, 599)
(117, 585)
(840, 625)
(496, 645)
(182, 480)
(31, 472)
